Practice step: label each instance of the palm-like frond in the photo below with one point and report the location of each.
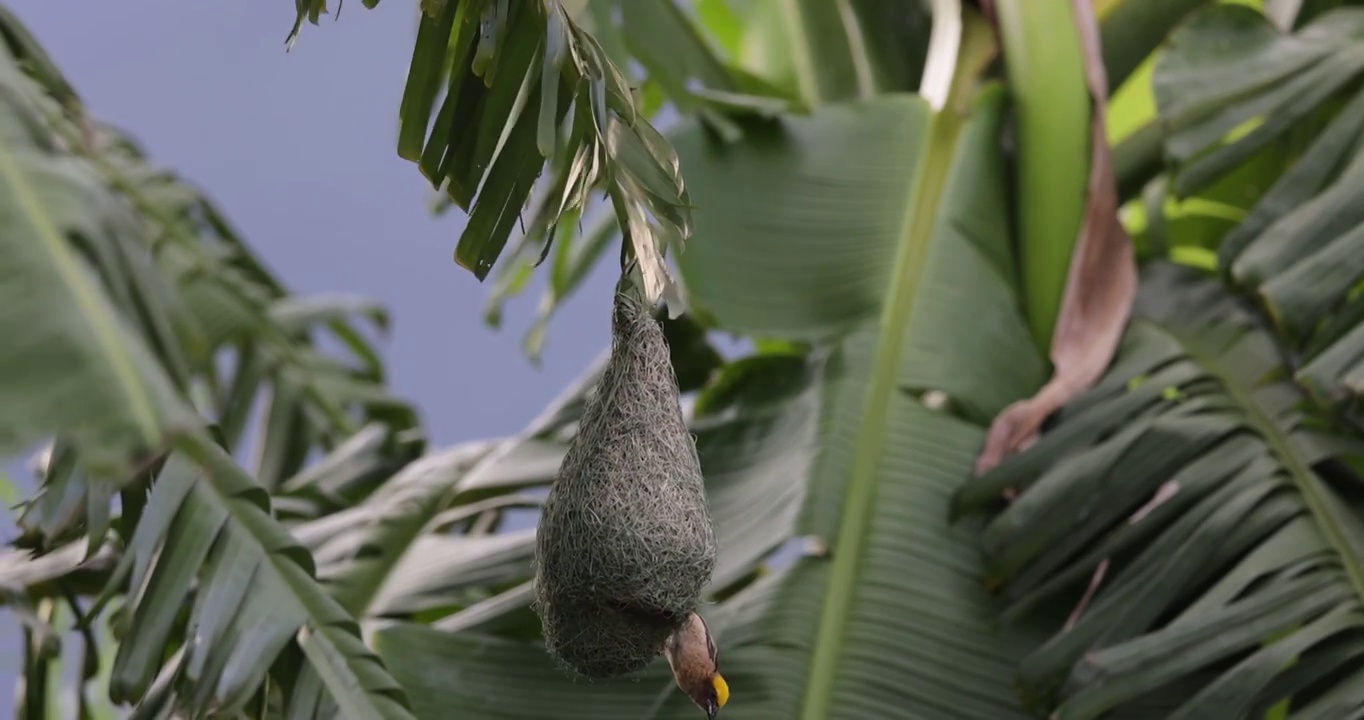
(194, 291)
(660, 37)
(112, 351)
(523, 84)
(226, 304)
(88, 372)
(1297, 251)
(1228, 69)
(237, 306)
(1228, 568)
(208, 542)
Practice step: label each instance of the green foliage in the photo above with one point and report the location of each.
(863, 236)
(1197, 508)
(1184, 484)
(124, 287)
(1293, 246)
(815, 48)
(521, 84)
(775, 417)
(1228, 71)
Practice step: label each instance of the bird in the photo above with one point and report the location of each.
(695, 663)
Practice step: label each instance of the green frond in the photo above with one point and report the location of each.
(1188, 493)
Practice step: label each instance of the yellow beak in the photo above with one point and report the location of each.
(721, 690)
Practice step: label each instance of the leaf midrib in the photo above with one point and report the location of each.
(1298, 469)
(848, 548)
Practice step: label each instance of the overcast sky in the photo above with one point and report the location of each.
(298, 150)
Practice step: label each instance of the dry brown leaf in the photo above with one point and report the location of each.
(1100, 284)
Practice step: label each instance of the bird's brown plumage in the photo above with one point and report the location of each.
(692, 655)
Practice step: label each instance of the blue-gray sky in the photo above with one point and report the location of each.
(298, 150)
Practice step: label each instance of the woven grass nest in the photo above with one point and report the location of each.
(625, 545)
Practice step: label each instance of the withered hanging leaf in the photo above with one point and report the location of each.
(1100, 286)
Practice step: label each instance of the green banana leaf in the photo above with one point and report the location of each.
(524, 84)
(1229, 83)
(1190, 491)
(1297, 251)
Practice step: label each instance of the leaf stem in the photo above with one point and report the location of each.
(934, 166)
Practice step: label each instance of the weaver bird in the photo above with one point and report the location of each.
(695, 664)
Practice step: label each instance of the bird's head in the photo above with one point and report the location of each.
(692, 655)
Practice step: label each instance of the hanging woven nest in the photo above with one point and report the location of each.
(625, 545)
